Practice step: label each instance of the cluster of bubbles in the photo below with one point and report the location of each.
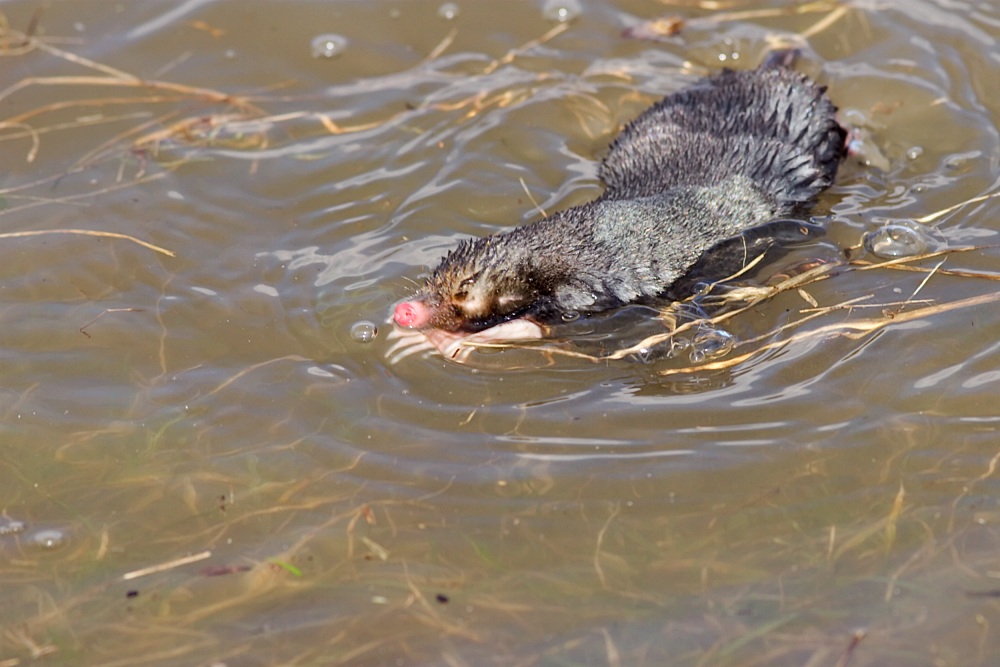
(708, 343)
(11, 527)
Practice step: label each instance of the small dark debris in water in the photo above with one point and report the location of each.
(442, 598)
(83, 329)
(206, 27)
(219, 570)
(885, 108)
(132, 594)
(856, 638)
(667, 26)
(994, 593)
(367, 513)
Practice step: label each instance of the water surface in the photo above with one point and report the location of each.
(199, 465)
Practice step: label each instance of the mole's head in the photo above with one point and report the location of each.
(477, 292)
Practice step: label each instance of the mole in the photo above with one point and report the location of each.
(728, 161)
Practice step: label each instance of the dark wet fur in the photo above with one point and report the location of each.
(772, 239)
(700, 167)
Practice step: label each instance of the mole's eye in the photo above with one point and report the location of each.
(462, 292)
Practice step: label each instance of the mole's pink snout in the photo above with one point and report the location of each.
(411, 314)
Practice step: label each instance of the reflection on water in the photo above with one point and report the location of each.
(206, 457)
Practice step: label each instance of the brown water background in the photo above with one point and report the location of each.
(831, 501)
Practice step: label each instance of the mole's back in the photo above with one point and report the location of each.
(771, 125)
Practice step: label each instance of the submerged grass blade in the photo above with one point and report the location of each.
(286, 566)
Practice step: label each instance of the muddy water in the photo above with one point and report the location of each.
(199, 464)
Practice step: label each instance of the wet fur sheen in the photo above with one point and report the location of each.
(731, 152)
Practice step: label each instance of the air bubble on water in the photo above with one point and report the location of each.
(701, 287)
(50, 538)
(645, 355)
(711, 344)
(11, 527)
(328, 46)
(898, 239)
(853, 117)
(956, 161)
(331, 371)
(448, 11)
(267, 290)
(914, 152)
(570, 316)
(562, 11)
(363, 331)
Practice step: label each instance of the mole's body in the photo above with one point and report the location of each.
(733, 151)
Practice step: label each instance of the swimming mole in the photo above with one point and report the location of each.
(700, 172)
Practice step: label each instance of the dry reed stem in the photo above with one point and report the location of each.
(180, 130)
(557, 30)
(107, 146)
(707, 5)
(169, 565)
(825, 22)
(774, 12)
(945, 211)
(672, 25)
(611, 651)
(959, 273)
(442, 46)
(852, 330)
(753, 296)
(39, 201)
(848, 653)
(107, 77)
(89, 232)
(35, 134)
(113, 76)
